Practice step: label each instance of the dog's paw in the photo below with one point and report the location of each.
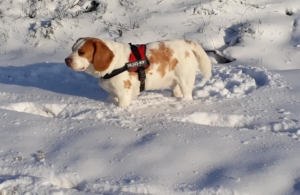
(112, 99)
(124, 102)
(188, 98)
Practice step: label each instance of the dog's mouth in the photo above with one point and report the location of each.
(76, 69)
(79, 69)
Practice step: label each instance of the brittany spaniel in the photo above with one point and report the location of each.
(172, 64)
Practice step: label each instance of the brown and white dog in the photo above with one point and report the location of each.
(173, 64)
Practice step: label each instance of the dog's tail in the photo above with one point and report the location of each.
(204, 63)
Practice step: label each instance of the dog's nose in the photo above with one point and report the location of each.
(68, 61)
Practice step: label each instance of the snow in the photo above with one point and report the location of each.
(61, 134)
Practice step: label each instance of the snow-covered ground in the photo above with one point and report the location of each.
(60, 134)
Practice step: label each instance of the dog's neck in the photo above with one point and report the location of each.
(121, 55)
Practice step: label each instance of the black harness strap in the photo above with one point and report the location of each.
(141, 70)
(115, 72)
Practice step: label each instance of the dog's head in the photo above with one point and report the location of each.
(87, 51)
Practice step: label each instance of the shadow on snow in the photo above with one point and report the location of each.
(54, 77)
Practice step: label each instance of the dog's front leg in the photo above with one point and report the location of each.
(124, 99)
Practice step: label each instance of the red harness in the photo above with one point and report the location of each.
(136, 63)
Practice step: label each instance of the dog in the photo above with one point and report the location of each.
(158, 65)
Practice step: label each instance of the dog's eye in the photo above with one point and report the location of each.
(80, 53)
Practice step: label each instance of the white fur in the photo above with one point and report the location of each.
(181, 79)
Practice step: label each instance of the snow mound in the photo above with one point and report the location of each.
(291, 126)
(47, 110)
(220, 120)
(29, 184)
(235, 81)
(91, 110)
(27, 176)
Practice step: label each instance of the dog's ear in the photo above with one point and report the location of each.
(80, 39)
(103, 56)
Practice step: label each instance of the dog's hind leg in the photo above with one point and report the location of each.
(176, 90)
(186, 85)
(187, 92)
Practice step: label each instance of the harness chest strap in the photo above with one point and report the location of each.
(139, 54)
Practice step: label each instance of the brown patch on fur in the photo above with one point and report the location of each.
(97, 53)
(163, 56)
(187, 54)
(149, 68)
(127, 84)
(189, 42)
